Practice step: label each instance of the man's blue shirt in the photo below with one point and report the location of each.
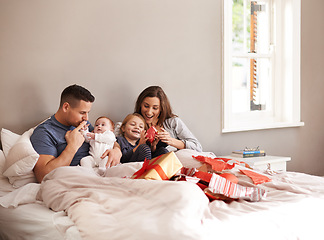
(49, 139)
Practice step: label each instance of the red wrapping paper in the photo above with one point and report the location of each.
(256, 177)
(151, 134)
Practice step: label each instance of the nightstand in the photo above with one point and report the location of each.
(276, 163)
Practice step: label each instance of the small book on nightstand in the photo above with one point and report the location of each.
(249, 152)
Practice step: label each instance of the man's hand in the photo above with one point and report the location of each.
(74, 138)
(114, 155)
(47, 163)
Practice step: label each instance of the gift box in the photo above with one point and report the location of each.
(151, 132)
(162, 167)
(219, 187)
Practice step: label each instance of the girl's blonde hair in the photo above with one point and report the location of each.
(128, 117)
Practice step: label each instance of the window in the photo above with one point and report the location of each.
(261, 72)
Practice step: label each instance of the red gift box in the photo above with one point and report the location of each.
(151, 134)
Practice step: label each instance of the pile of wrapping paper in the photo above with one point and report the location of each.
(216, 184)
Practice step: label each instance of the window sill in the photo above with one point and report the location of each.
(263, 127)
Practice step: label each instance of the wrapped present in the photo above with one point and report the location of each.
(196, 176)
(221, 187)
(151, 132)
(162, 167)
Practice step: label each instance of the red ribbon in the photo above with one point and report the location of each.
(150, 164)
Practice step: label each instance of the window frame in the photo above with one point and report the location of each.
(285, 41)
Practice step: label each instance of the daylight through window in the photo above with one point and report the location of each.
(261, 78)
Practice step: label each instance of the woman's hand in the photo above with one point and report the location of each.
(165, 137)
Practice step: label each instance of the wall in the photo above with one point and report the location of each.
(116, 48)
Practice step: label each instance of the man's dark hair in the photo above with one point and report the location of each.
(74, 93)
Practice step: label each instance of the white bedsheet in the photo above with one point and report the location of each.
(23, 217)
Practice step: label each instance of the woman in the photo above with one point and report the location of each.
(154, 106)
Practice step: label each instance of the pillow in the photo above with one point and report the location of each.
(185, 157)
(2, 162)
(19, 181)
(117, 130)
(20, 161)
(8, 139)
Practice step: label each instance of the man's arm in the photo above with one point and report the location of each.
(47, 163)
(114, 155)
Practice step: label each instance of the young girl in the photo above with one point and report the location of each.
(133, 142)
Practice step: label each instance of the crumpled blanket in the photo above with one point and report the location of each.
(122, 208)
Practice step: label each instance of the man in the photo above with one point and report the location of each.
(58, 140)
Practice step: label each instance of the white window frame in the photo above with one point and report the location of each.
(285, 38)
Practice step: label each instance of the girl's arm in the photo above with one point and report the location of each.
(142, 140)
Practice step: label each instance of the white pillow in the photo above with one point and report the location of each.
(20, 161)
(185, 157)
(2, 162)
(19, 181)
(117, 130)
(8, 139)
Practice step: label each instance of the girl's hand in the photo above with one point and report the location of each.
(143, 138)
(154, 143)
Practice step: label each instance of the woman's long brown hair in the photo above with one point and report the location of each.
(165, 106)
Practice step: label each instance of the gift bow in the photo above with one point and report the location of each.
(148, 165)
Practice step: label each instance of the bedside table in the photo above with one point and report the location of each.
(276, 163)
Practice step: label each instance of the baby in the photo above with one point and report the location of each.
(101, 139)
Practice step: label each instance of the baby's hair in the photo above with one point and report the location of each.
(128, 117)
(111, 121)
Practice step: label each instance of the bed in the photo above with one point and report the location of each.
(75, 203)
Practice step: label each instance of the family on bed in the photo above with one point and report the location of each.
(68, 139)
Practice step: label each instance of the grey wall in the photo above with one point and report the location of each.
(116, 48)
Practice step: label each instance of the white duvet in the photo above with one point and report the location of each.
(121, 208)
(114, 207)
